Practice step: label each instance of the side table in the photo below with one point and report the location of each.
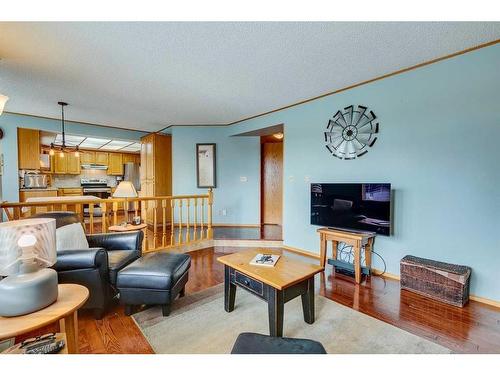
(71, 297)
(354, 239)
(131, 228)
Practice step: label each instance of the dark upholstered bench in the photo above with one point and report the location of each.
(153, 279)
(254, 343)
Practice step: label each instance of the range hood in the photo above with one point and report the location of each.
(94, 166)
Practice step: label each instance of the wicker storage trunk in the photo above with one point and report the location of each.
(445, 282)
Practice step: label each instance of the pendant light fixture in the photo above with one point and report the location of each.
(62, 148)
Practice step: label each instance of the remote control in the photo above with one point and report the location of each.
(46, 348)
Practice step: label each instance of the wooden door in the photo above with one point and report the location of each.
(272, 183)
(28, 143)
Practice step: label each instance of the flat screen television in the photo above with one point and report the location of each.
(358, 207)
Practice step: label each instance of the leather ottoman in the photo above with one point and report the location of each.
(154, 279)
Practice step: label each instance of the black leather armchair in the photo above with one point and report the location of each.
(97, 267)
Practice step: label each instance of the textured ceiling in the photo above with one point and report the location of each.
(150, 75)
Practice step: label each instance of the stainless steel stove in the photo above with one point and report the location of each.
(97, 187)
(93, 186)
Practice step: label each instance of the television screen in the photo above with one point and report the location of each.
(359, 207)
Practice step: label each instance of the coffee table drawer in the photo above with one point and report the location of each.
(249, 283)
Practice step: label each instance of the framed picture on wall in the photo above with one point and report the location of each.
(205, 165)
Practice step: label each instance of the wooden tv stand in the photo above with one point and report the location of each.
(354, 239)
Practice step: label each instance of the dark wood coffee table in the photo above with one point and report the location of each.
(277, 285)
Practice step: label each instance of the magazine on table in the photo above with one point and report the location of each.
(266, 260)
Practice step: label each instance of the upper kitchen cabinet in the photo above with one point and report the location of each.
(28, 146)
(101, 158)
(87, 157)
(131, 158)
(69, 164)
(73, 164)
(115, 166)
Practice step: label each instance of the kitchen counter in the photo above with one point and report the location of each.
(40, 189)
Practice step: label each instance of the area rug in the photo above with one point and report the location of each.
(199, 324)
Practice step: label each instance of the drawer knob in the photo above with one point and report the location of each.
(246, 282)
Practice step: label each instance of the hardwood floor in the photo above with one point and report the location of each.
(472, 329)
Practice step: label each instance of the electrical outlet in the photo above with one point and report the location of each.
(243, 179)
(307, 178)
(291, 178)
(224, 212)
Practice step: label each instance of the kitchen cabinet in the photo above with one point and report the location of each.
(73, 163)
(156, 169)
(68, 164)
(87, 157)
(28, 148)
(115, 167)
(65, 192)
(129, 158)
(101, 158)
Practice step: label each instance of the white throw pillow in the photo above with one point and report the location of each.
(71, 237)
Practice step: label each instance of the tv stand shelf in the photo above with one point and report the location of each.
(357, 240)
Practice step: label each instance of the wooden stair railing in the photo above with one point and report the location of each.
(172, 220)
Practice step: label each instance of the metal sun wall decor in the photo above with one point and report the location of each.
(351, 132)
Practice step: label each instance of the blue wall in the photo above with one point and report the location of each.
(10, 122)
(438, 146)
(236, 157)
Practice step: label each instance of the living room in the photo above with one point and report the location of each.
(174, 187)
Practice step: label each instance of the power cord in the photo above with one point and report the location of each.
(345, 254)
(383, 261)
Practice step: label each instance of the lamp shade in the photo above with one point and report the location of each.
(22, 240)
(3, 100)
(125, 189)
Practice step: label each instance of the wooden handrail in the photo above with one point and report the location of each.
(99, 200)
(162, 214)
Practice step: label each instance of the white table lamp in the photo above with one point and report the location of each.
(125, 189)
(27, 248)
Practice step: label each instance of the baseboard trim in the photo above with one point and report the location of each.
(296, 250)
(386, 274)
(486, 301)
(198, 225)
(247, 243)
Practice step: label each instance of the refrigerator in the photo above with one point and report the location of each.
(131, 173)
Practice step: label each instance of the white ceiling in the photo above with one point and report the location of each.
(150, 75)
